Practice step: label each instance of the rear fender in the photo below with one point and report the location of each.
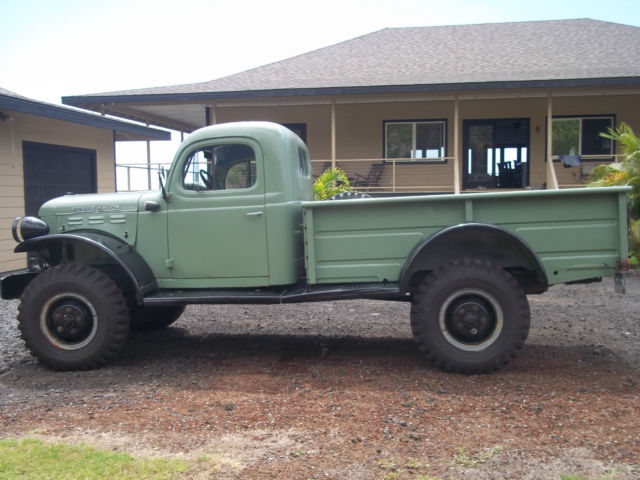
(97, 249)
(495, 244)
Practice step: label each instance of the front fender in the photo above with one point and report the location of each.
(90, 247)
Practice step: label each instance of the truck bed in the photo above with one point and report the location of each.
(577, 234)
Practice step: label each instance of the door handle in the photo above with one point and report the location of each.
(254, 214)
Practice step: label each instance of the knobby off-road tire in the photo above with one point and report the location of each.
(469, 316)
(155, 318)
(73, 317)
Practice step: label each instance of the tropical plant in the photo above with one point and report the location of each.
(331, 182)
(634, 242)
(626, 172)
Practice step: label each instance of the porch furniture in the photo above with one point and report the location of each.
(372, 179)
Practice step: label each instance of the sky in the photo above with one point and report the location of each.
(55, 48)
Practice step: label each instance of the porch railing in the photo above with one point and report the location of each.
(417, 176)
(399, 175)
(135, 177)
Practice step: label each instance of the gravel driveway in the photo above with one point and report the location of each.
(339, 390)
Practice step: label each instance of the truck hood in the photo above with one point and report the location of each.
(114, 213)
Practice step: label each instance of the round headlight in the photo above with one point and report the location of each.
(25, 228)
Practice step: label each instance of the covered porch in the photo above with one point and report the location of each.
(448, 142)
(444, 143)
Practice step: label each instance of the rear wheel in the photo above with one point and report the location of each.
(155, 318)
(73, 317)
(470, 316)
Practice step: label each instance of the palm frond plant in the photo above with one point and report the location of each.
(331, 182)
(626, 172)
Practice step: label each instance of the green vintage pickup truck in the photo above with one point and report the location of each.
(234, 222)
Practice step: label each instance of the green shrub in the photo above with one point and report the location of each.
(331, 182)
(626, 172)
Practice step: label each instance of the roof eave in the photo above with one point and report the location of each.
(125, 130)
(89, 101)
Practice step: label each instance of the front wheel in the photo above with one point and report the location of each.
(470, 316)
(73, 317)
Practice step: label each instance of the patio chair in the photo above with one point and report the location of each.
(371, 179)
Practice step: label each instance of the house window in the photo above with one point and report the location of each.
(421, 140)
(581, 136)
(299, 129)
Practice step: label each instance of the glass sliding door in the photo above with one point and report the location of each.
(495, 153)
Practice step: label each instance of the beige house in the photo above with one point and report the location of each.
(434, 109)
(48, 150)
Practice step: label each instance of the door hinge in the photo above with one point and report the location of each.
(169, 263)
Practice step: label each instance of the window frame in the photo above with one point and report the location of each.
(594, 158)
(182, 172)
(415, 122)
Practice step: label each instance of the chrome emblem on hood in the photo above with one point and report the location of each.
(112, 207)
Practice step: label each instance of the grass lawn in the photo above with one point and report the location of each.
(38, 460)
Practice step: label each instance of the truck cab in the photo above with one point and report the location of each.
(230, 213)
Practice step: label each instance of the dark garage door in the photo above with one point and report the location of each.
(52, 170)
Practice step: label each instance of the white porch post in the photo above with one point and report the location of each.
(333, 134)
(212, 115)
(456, 146)
(148, 164)
(552, 179)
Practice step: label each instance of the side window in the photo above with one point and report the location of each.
(303, 163)
(220, 167)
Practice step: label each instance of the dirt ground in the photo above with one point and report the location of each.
(339, 390)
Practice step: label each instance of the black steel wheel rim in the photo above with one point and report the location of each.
(471, 319)
(68, 321)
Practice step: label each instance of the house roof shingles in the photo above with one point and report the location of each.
(523, 52)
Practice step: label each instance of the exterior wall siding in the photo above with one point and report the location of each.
(359, 127)
(32, 128)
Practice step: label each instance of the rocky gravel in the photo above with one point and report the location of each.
(339, 390)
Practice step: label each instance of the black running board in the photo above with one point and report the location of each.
(274, 295)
